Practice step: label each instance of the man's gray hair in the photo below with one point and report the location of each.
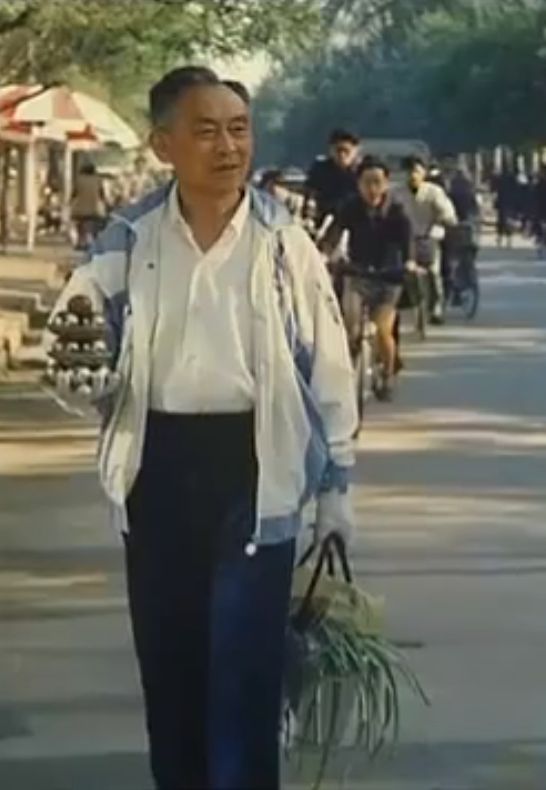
(173, 86)
(165, 94)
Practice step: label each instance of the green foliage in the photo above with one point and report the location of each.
(485, 79)
(123, 45)
(459, 74)
(354, 674)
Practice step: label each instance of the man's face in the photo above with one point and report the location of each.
(373, 185)
(416, 176)
(344, 153)
(208, 140)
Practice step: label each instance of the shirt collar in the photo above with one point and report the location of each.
(235, 226)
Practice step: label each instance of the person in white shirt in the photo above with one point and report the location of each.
(430, 211)
(234, 407)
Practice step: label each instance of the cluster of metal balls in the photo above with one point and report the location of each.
(79, 360)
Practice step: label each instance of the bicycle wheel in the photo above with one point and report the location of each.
(362, 378)
(469, 296)
(466, 286)
(421, 320)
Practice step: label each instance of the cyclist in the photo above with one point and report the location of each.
(463, 196)
(380, 246)
(332, 180)
(462, 240)
(430, 211)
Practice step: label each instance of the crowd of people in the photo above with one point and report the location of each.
(390, 232)
(520, 203)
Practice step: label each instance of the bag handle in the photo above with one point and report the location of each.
(333, 547)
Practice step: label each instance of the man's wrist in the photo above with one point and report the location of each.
(335, 478)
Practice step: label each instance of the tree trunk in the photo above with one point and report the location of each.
(4, 188)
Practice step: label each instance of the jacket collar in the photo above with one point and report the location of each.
(263, 207)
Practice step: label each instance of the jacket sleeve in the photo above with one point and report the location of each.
(323, 342)
(104, 280)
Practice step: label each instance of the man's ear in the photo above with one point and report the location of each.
(159, 144)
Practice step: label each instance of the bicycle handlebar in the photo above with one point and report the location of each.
(347, 269)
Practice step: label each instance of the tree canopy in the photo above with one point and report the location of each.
(459, 74)
(123, 45)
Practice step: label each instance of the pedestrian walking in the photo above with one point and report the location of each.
(235, 407)
(89, 205)
(505, 187)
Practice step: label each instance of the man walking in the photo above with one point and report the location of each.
(235, 406)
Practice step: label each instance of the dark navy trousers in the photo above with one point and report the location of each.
(209, 622)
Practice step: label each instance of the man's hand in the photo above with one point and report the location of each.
(88, 386)
(412, 267)
(334, 514)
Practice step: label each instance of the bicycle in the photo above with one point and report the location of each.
(369, 372)
(463, 290)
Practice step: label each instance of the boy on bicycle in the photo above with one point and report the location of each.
(380, 248)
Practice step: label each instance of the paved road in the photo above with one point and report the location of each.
(452, 513)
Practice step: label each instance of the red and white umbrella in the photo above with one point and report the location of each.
(29, 113)
(53, 111)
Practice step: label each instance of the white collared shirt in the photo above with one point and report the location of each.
(202, 348)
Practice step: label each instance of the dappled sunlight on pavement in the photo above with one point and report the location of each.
(438, 430)
(48, 445)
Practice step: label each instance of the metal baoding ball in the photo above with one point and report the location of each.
(80, 305)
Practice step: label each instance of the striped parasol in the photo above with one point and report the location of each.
(57, 112)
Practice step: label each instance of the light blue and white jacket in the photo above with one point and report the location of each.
(305, 411)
